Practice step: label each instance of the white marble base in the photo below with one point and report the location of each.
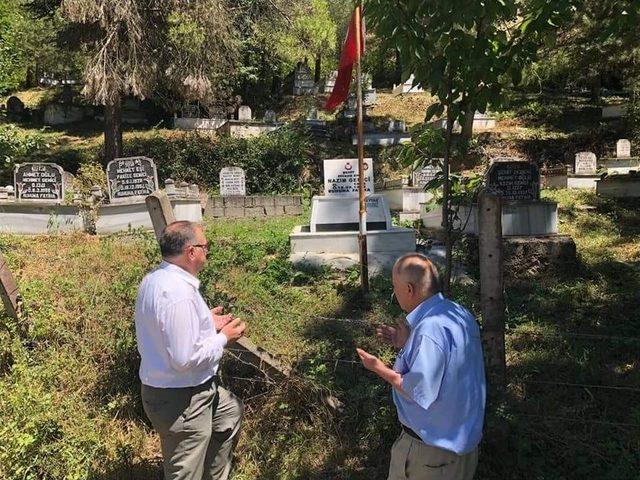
(39, 218)
(385, 138)
(518, 218)
(406, 199)
(335, 214)
(198, 123)
(587, 182)
(378, 241)
(123, 217)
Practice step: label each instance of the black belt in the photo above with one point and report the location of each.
(411, 433)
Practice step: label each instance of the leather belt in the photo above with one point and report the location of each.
(411, 433)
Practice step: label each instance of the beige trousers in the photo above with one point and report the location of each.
(198, 429)
(412, 459)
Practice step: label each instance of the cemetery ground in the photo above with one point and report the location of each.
(69, 393)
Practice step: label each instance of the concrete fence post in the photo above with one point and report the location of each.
(492, 287)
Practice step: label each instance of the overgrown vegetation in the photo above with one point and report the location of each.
(69, 401)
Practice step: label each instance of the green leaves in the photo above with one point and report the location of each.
(434, 110)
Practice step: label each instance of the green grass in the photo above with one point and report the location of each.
(69, 401)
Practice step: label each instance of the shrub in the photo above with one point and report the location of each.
(274, 162)
(14, 146)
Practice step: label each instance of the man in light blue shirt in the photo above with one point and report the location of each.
(438, 378)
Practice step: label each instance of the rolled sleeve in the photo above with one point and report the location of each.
(422, 380)
(180, 326)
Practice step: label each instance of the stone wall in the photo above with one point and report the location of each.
(253, 206)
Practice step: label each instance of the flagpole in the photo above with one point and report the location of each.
(362, 234)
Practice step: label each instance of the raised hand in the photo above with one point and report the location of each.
(369, 361)
(220, 320)
(233, 330)
(395, 336)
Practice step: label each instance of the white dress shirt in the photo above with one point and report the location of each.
(176, 337)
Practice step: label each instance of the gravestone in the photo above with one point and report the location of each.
(352, 101)
(244, 113)
(514, 180)
(303, 83)
(131, 179)
(330, 81)
(270, 116)
(623, 148)
(232, 182)
(341, 177)
(190, 111)
(39, 182)
(421, 177)
(586, 163)
(313, 114)
(369, 97)
(397, 126)
(15, 106)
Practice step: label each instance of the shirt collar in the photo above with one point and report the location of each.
(421, 310)
(186, 276)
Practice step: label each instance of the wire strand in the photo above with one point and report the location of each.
(579, 385)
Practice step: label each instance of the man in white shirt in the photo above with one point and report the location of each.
(181, 343)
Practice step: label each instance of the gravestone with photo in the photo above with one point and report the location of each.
(232, 182)
(131, 179)
(40, 182)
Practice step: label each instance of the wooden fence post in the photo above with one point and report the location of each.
(244, 350)
(9, 290)
(492, 287)
(160, 211)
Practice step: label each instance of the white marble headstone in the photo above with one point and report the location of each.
(232, 181)
(586, 163)
(244, 113)
(623, 148)
(341, 177)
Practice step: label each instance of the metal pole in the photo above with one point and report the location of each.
(362, 234)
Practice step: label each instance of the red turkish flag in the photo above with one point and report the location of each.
(348, 58)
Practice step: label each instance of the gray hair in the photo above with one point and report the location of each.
(176, 236)
(418, 270)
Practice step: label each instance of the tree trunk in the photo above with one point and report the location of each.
(397, 77)
(467, 128)
(318, 68)
(113, 130)
(446, 205)
(30, 80)
(596, 87)
(275, 84)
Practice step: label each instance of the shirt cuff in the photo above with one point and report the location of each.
(222, 338)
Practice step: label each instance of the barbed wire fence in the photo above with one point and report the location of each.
(356, 368)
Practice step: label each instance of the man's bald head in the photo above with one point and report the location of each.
(419, 271)
(176, 236)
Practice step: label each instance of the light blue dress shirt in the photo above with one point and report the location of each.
(443, 379)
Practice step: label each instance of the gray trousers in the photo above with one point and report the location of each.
(412, 459)
(198, 429)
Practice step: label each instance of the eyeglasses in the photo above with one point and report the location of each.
(206, 246)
